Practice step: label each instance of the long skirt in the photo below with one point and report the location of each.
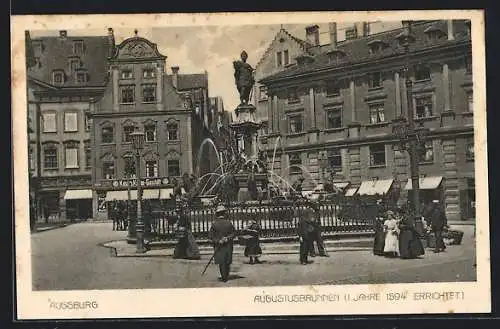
(187, 248)
(252, 247)
(391, 243)
(410, 245)
(379, 243)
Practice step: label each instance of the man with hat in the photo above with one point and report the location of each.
(438, 221)
(222, 234)
(316, 235)
(305, 231)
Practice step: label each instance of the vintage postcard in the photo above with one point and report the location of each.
(250, 164)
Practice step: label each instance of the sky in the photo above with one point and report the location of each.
(196, 49)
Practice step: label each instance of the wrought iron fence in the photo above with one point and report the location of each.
(275, 220)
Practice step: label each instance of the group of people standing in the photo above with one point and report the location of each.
(399, 235)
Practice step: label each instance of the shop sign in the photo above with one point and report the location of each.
(145, 182)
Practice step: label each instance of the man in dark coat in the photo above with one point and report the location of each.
(378, 226)
(305, 230)
(316, 235)
(410, 245)
(222, 234)
(438, 222)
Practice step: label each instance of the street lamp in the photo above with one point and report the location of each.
(405, 129)
(138, 144)
(323, 164)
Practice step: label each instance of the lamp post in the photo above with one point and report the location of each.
(323, 164)
(138, 144)
(405, 129)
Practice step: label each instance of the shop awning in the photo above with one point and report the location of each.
(119, 195)
(341, 185)
(373, 187)
(351, 191)
(150, 194)
(165, 193)
(78, 194)
(426, 183)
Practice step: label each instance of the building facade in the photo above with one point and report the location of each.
(332, 114)
(66, 72)
(140, 94)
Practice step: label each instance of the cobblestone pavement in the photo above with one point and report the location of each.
(72, 258)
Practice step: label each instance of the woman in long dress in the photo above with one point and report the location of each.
(379, 241)
(252, 243)
(391, 247)
(410, 245)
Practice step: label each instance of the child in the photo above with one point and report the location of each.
(391, 246)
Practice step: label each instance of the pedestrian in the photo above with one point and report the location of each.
(252, 243)
(379, 240)
(46, 212)
(305, 230)
(222, 235)
(186, 247)
(391, 243)
(438, 223)
(316, 235)
(410, 246)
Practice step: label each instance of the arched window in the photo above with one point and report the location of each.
(129, 165)
(173, 164)
(107, 133)
(128, 128)
(172, 130)
(108, 166)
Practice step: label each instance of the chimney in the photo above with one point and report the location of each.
(111, 42)
(451, 34)
(63, 34)
(332, 29)
(362, 29)
(175, 76)
(312, 35)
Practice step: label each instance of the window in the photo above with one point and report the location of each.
(286, 58)
(150, 133)
(81, 77)
(351, 33)
(127, 74)
(293, 95)
(334, 118)
(376, 47)
(71, 156)
(295, 164)
(295, 122)
(88, 155)
(377, 113)
(127, 130)
(435, 35)
(468, 65)
(335, 159)
(263, 93)
(50, 157)
(469, 149)
(127, 94)
(470, 102)
(37, 46)
(49, 123)
(265, 127)
(149, 93)
(148, 73)
(107, 135)
(70, 122)
(423, 106)
(74, 64)
(172, 130)
(58, 77)
(108, 170)
(173, 168)
(375, 80)
(332, 89)
(31, 159)
(279, 59)
(151, 168)
(78, 47)
(422, 73)
(426, 153)
(88, 122)
(377, 155)
(129, 167)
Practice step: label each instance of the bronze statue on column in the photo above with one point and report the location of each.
(243, 75)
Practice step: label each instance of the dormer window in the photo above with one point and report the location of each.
(335, 56)
(148, 73)
(376, 46)
(351, 33)
(81, 77)
(78, 47)
(58, 77)
(37, 46)
(304, 59)
(74, 64)
(434, 33)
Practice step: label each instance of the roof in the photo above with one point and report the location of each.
(190, 81)
(358, 50)
(302, 43)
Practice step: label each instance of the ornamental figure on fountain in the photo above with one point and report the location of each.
(243, 75)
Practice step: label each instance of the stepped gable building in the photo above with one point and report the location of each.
(166, 108)
(332, 112)
(63, 73)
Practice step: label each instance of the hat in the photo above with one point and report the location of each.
(220, 209)
(390, 213)
(435, 201)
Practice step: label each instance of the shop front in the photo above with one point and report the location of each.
(430, 188)
(78, 204)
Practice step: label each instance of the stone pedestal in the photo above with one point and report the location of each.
(242, 180)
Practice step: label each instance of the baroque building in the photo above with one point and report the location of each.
(331, 114)
(169, 109)
(63, 74)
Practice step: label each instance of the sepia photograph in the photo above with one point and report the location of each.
(287, 164)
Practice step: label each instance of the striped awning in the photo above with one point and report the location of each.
(166, 193)
(78, 194)
(351, 191)
(426, 183)
(373, 187)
